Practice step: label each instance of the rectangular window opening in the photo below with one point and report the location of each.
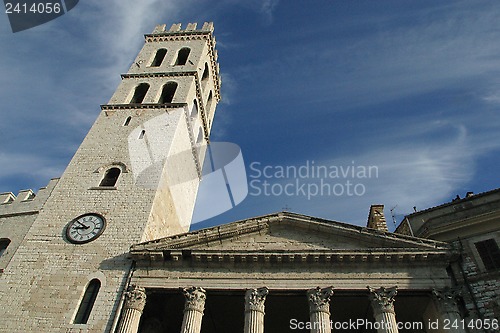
(490, 254)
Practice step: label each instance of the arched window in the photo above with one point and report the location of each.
(127, 121)
(206, 73)
(87, 303)
(182, 56)
(4, 243)
(194, 111)
(209, 103)
(168, 92)
(140, 93)
(110, 177)
(160, 55)
(141, 136)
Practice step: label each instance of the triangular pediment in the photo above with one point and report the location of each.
(287, 233)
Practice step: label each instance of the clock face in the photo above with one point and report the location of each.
(85, 228)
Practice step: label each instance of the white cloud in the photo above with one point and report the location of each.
(23, 164)
(268, 7)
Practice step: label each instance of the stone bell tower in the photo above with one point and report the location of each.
(134, 178)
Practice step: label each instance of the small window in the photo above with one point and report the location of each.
(4, 243)
(490, 254)
(194, 111)
(127, 121)
(140, 93)
(206, 73)
(87, 303)
(182, 56)
(111, 177)
(168, 92)
(141, 136)
(160, 55)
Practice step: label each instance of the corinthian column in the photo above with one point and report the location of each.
(446, 305)
(193, 309)
(135, 300)
(319, 309)
(383, 309)
(254, 310)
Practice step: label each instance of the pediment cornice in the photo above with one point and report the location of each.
(195, 245)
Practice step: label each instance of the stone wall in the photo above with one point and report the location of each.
(484, 303)
(17, 214)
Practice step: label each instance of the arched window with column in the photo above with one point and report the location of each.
(139, 93)
(87, 302)
(168, 92)
(182, 56)
(158, 59)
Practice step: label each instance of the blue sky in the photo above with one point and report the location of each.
(411, 87)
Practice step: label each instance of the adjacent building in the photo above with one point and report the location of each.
(471, 225)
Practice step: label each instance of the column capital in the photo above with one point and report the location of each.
(319, 299)
(195, 299)
(446, 299)
(135, 298)
(255, 298)
(382, 299)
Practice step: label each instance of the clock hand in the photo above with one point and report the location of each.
(83, 225)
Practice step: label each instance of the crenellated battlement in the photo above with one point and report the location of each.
(177, 28)
(26, 201)
(24, 195)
